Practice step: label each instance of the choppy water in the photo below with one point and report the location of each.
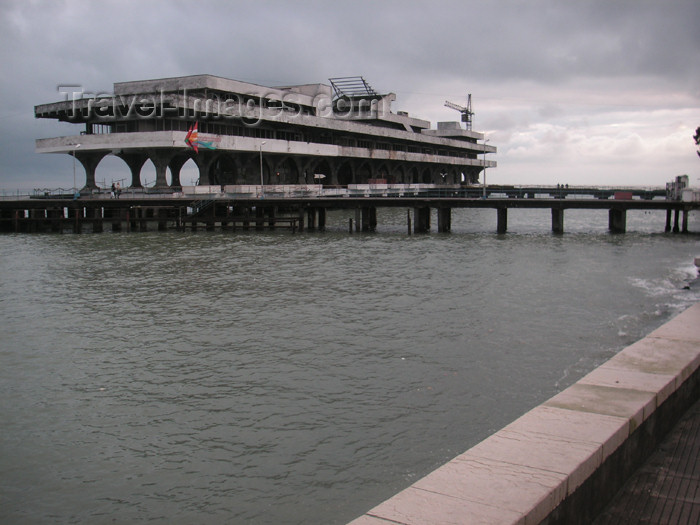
(266, 377)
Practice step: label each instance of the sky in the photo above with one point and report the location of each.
(587, 92)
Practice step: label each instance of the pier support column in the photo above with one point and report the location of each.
(311, 218)
(421, 220)
(369, 219)
(676, 215)
(358, 219)
(502, 220)
(55, 217)
(77, 215)
(37, 220)
(97, 226)
(558, 220)
(617, 220)
(162, 219)
(684, 228)
(322, 219)
(300, 221)
(668, 221)
(444, 217)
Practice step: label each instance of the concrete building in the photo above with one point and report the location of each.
(338, 134)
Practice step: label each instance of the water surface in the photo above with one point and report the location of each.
(266, 377)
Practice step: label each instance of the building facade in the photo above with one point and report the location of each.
(241, 133)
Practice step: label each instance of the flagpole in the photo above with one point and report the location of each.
(262, 182)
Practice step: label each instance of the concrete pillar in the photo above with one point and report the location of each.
(115, 215)
(668, 221)
(89, 161)
(371, 213)
(684, 229)
(301, 219)
(617, 220)
(55, 217)
(76, 214)
(558, 220)
(162, 219)
(204, 160)
(97, 226)
(358, 219)
(368, 216)
(322, 219)
(502, 220)
(311, 222)
(160, 160)
(676, 214)
(444, 217)
(135, 161)
(421, 220)
(175, 166)
(143, 222)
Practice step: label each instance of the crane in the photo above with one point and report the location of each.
(467, 112)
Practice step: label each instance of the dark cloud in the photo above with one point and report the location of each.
(529, 63)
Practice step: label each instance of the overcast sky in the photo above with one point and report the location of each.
(577, 92)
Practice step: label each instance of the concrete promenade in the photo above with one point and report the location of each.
(666, 489)
(565, 460)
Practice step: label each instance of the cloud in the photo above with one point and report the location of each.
(549, 79)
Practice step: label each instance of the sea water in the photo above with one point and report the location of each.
(270, 377)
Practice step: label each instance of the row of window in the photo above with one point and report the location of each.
(214, 128)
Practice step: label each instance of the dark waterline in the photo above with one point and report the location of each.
(277, 378)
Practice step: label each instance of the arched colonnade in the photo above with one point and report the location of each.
(226, 167)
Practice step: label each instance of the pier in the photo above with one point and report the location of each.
(301, 207)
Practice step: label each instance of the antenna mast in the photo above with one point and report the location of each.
(467, 112)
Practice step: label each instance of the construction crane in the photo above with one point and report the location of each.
(467, 112)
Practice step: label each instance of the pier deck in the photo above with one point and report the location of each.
(135, 211)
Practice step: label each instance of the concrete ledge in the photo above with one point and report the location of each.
(562, 461)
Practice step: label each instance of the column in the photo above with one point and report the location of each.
(97, 226)
(617, 220)
(676, 214)
(421, 220)
(175, 166)
(135, 161)
(444, 217)
(160, 160)
(89, 161)
(502, 220)
(558, 220)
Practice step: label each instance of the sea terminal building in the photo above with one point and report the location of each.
(241, 133)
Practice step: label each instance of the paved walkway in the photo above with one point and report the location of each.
(666, 489)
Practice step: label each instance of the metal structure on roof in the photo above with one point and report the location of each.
(351, 87)
(467, 112)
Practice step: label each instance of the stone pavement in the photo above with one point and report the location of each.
(666, 488)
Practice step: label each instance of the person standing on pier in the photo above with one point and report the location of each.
(118, 190)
